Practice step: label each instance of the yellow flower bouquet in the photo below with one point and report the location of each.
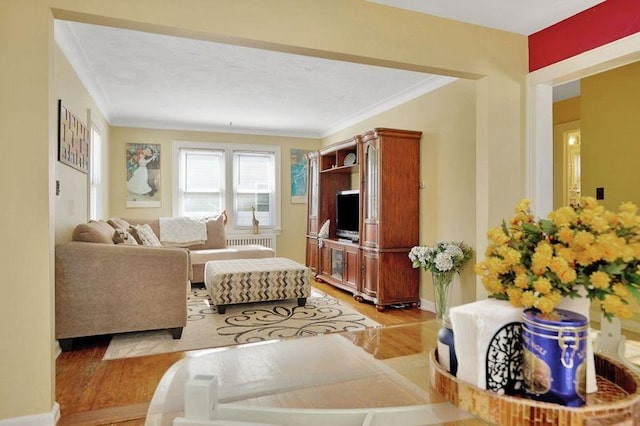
(579, 250)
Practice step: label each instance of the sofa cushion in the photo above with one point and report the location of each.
(118, 223)
(93, 232)
(123, 237)
(249, 251)
(144, 235)
(216, 237)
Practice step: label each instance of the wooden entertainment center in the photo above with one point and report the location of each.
(384, 166)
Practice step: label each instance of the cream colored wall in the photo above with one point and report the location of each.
(26, 219)
(290, 243)
(609, 113)
(342, 29)
(71, 206)
(447, 168)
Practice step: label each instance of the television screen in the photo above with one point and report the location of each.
(348, 214)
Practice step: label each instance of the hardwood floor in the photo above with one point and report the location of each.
(91, 391)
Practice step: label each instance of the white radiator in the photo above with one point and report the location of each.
(267, 240)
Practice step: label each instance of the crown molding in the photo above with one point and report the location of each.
(77, 58)
(430, 84)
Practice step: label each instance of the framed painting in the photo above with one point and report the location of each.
(142, 163)
(73, 140)
(299, 175)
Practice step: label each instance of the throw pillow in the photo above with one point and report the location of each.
(118, 223)
(145, 235)
(123, 237)
(216, 237)
(93, 232)
(324, 229)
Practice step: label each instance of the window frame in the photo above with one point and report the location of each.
(95, 178)
(229, 150)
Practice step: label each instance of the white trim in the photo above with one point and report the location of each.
(427, 305)
(44, 419)
(540, 154)
(72, 48)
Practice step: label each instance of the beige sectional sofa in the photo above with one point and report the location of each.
(103, 287)
(214, 248)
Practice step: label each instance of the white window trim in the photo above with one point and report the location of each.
(94, 180)
(229, 149)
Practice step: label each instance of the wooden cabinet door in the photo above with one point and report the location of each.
(370, 193)
(312, 254)
(351, 271)
(324, 267)
(369, 277)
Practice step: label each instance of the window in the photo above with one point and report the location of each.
(254, 181)
(241, 179)
(201, 182)
(95, 175)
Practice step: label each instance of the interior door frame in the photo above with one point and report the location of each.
(540, 110)
(560, 161)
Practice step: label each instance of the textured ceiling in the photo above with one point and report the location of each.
(517, 16)
(149, 80)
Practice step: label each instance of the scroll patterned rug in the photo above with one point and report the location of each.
(244, 323)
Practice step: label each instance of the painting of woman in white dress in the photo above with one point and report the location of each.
(143, 175)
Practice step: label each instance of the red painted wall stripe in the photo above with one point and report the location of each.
(606, 22)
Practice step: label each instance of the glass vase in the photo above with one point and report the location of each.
(446, 345)
(442, 295)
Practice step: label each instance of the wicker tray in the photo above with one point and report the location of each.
(617, 401)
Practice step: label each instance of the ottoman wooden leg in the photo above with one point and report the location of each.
(221, 309)
(302, 301)
(176, 332)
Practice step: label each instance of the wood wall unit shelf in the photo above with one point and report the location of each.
(384, 165)
(337, 156)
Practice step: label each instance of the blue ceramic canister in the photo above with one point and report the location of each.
(554, 362)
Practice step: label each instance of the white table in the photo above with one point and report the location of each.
(373, 376)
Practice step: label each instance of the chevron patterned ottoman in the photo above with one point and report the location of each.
(256, 280)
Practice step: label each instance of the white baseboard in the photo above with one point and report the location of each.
(44, 419)
(58, 349)
(427, 305)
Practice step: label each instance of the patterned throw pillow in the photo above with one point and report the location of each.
(145, 235)
(123, 237)
(118, 223)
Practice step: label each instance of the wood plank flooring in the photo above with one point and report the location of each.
(91, 391)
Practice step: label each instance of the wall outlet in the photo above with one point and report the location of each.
(599, 193)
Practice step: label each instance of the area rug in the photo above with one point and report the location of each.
(244, 323)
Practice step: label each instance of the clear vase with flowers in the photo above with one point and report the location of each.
(443, 260)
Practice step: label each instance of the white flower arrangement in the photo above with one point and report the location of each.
(443, 257)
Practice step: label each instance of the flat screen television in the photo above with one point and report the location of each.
(348, 214)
